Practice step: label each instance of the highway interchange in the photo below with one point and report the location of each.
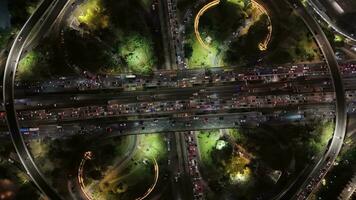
(46, 15)
(8, 94)
(311, 179)
(324, 10)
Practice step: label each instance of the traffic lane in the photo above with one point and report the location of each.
(229, 122)
(73, 103)
(9, 74)
(8, 97)
(147, 91)
(340, 127)
(192, 112)
(93, 127)
(35, 35)
(208, 121)
(200, 105)
(127, 127)
(175, 166)
(139, 96)
(212, 102)
(329, 56)
(325, 15)
(341, 118)
(106, 83)
(27, 161)
(186, 177)
(207, 102)
(81, 101)
(134, 126)
(207, 87)
(75, 89)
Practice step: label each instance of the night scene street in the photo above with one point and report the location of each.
(178, 100)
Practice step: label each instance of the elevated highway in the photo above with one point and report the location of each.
(21, 42)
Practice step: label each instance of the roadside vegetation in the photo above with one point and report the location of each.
(137, 52)
(244, 159)
(122, 46)
(92, 15)
(216, 26)
(129, 174)
(43, 62)
(219, 24)
(19, 10)
(295, 43)
(340, 175)
(59, 159)
(14, 182)
(33, 66)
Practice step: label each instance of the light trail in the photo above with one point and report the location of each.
(197, 18)
(87, 156)
(262, 45)
(148, 192)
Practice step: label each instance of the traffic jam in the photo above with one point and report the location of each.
(193, 168)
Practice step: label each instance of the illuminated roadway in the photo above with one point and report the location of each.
(196, 21)
(262, 46)
(317, 8)
(298, 189)
(8, 91)
(25, 157)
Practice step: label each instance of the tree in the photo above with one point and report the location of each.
(245, 49)
(188, 50)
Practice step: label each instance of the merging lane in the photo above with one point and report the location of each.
(323, 14)
(58, 5)
(8, 90)
(300, 191)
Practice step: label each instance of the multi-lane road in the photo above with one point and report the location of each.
(54, 8)
(320, 8)
(46, 15)
(307, 182)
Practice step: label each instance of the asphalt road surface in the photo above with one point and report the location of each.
(26, 159)
(8, 90)
(304, 185)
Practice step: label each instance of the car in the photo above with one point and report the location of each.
(190, 139)
(353, 48)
